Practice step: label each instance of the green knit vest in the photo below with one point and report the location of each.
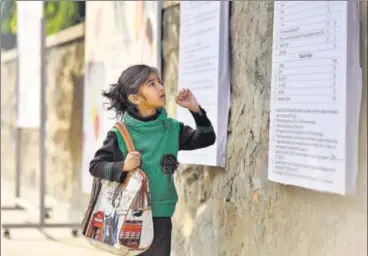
(153, 139)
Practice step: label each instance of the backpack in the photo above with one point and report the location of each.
(118, 218)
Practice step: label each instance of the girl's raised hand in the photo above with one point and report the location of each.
(186, 99)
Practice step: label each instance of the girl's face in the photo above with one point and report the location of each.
(151, 95)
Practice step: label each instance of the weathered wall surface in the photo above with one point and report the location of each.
(64, 100)
(261, 218)
(8, 118)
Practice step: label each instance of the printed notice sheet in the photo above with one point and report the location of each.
(29, 63)
(316, 83)
(204, 69)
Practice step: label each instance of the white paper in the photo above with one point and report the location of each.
(309, 95)
(203, 68)
(354, 97)
(29, 14)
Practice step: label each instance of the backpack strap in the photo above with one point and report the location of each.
(126, 136)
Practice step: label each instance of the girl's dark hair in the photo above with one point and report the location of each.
(128, 83)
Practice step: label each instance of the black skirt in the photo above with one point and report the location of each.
(161, 245)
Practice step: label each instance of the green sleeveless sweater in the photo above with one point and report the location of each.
(153, 139)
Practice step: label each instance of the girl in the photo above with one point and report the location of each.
(139, 98)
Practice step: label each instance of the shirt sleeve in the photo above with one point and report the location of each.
(108, 160)
(201, 137)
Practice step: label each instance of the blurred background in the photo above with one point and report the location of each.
(263, 218)
(60, 15)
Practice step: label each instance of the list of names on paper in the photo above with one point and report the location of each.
(308, 94)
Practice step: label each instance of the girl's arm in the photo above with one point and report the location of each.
(203, 136)
(108, 161)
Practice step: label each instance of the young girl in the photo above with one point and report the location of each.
(139, 98)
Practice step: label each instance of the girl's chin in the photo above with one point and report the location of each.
(163, 100)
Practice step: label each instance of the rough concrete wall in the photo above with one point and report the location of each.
(64, 99)
(8, 119)
(63, 127)
(261, 218)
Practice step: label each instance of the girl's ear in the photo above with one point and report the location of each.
(134, 99)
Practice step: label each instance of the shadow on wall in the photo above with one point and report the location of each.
(77, 202)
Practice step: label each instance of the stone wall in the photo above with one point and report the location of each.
(260, 217)
(64, 100)
(8, 118)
